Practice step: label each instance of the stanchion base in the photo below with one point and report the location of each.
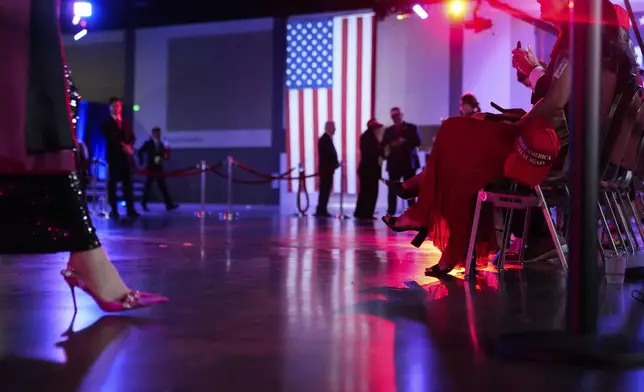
(200, 214)
(566, 348)
(300, 215)
(228, 216)
(342, 217)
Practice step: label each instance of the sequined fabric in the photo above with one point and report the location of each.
(44, 213)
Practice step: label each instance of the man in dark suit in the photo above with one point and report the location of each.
(155, 152)
(120, 148)
(400, 142)
(369, 170)
(327, 163)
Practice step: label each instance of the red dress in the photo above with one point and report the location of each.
(36, 131)
(466, 156)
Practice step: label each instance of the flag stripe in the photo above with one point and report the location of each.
(337, 96)
(344, 77)
(316, 133)
(359, 54)
(310, 144)
(300, 127)
(289, 164)
(294, 131)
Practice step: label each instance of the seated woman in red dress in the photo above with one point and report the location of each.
(468, 154)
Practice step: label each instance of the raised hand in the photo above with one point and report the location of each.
(524, 60)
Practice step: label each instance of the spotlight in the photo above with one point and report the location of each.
(456, 9)
(83, 9)
(420, 11)
(80, 34)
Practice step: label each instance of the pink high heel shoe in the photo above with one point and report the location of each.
(132, 300)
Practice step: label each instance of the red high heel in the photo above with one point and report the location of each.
(132, 300)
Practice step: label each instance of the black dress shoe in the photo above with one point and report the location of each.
(171, 207)
(133, 214)
(145, 208)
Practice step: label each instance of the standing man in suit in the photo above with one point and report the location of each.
(400, 142)
(155, 152)
(120, 148)
(327, 163)
(369, 170)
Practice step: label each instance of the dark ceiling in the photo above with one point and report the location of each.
(117, 14)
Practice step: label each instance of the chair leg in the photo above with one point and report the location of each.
(470, 266)
(500, 266)
(601, 249)
(622, 218)
(624, 205)
(551, 227)
(606, 230)
(613, 217)
(524, 240)
(638, 222)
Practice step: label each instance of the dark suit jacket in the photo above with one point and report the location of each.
(151, 150)
(403, 157)
(327, 155)
(371, 152)
(115, 137)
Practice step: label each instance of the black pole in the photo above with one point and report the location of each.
(584, 170)
(129, 63)
(456, 43)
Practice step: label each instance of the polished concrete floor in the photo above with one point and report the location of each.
(275, 303)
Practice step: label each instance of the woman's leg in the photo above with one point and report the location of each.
(47, 213)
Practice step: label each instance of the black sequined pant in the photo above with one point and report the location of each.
(44, 213)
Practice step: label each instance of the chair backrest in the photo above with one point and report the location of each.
(619, 122)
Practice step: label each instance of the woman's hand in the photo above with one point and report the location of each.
(524, 60)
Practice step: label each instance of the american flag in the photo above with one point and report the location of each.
(329, 75)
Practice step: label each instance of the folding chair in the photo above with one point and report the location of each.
(513, 201)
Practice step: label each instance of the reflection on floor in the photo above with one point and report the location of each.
(274, 303)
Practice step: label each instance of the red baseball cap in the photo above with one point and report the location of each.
(623, 19)
(373, 123)
(535, 150)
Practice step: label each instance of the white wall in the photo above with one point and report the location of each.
(412, 67)
(151, 85)
(488, 71)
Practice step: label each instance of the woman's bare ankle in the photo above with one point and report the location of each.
(98, 272)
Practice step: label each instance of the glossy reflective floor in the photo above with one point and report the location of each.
(274, 303)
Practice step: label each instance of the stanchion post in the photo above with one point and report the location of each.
(342, 191)
(229, 175)
(94, 193)
(105, 198)
(203, 166)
